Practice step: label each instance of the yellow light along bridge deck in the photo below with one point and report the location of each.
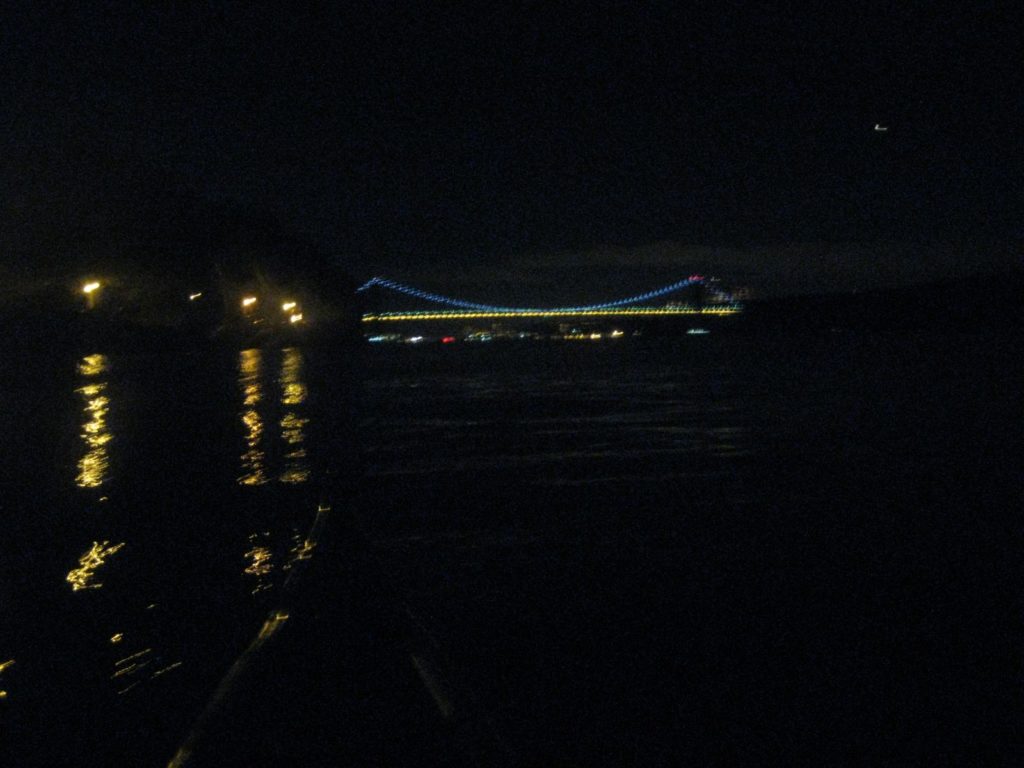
(473, 314)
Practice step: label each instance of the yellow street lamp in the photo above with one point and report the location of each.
(89, 289)
(288, 306)
(248, 301)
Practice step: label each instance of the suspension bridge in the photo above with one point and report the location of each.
(640, 305)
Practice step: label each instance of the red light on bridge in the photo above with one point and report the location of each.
(448, 340)
(696, 278)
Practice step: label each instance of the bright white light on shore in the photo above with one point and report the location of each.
(288, 306)
(296, 318)
(194, 296)
(90, 287)
(248, 301)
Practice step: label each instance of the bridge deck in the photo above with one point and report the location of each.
(716, 310)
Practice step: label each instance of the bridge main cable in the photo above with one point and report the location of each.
(437, 298)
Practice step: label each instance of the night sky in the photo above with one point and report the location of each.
(536, 150)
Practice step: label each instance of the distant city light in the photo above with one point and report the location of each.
(194, 296)
(90, 287)
(881, 128)
(296, 318)
(288, 306)
(248, 301)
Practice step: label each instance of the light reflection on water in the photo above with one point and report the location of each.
(84, 576)
(250, 363)
(93, 365)
(303, 550)
(266, 558)
(140, 667)
(93, 466)
(293, 423)
(265, 554)
(260, 562)
(147, 593)
(256, 413)
(4, 665)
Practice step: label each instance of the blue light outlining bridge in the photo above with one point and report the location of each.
(410, 291)
(458, 308)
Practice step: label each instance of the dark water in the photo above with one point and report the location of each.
(707, 551)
